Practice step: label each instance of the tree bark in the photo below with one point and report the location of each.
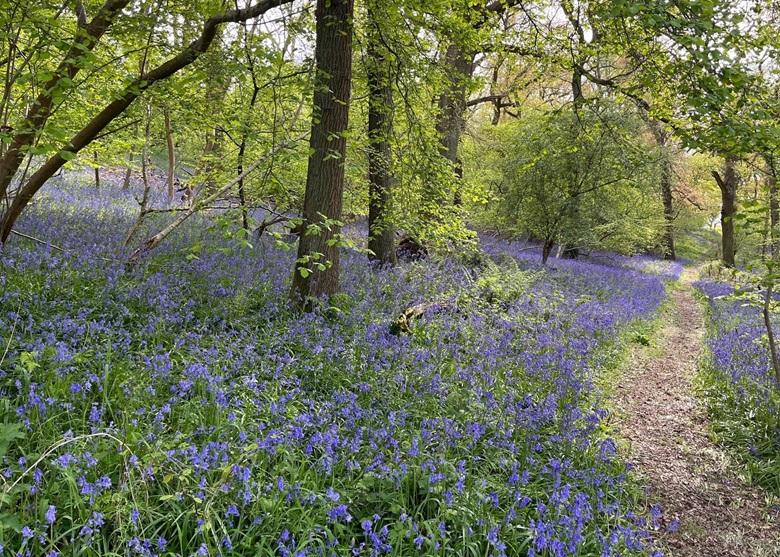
(325, 176)
(670, 252)
(728, 193)
(774, 202)
(171, 178)
(245, 133)
(87, 36)
(97, 170)
(661, 139)
(547, 248)
(573, 209)
(88, 133)
(126, 177)
(381, 233)
(459, 67)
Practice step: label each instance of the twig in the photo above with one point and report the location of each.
(34, 239)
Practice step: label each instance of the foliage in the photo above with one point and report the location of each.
(585, 181)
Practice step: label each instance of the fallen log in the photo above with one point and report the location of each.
(403, 323)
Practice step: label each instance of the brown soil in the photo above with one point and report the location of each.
(665, 427)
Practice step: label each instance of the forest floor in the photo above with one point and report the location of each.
(707, 509)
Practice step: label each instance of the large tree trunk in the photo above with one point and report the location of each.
(116, 107)
(381, 233)
(171, 178)
(728, 193)
(87, 36)
(316, 270)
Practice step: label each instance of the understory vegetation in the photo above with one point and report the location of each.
(738, 383)
(179, 408)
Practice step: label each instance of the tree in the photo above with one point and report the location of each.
(381, 233)
(87, 37)
(543, 168)
(62, 79)
(728, 190)
(316, 270)
(662, 138)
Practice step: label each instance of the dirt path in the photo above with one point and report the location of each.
(686, 474)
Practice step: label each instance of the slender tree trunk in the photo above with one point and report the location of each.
(767, 313)
(774, 246)
(661, 139)
(774, 202)
(573, 207)
(381, 233)
(240, 160)
(498, 102)
(171, 178)
(325, 176)
(126, 178)
(241, 192)
(97, 170)
(668, 201)
(728, 192)
(547, 248)
(144, 209)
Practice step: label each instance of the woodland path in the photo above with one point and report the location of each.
(665, 428)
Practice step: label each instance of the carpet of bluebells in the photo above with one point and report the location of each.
(179, 408)
(739, 382)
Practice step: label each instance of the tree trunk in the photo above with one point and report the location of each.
(459, 67)
(547, 248)
(381, 233)
(573, 210)
(498, 101)
(171, 178)
(670, 253)
(242, 148)
(241, 191)
(316, 271)
(774, 202)
(97, 170)
(126, 178)
(661, 139)
(728, 193)
(144, 205)
(767, 313)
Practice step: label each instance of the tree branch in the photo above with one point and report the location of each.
(88, 133)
